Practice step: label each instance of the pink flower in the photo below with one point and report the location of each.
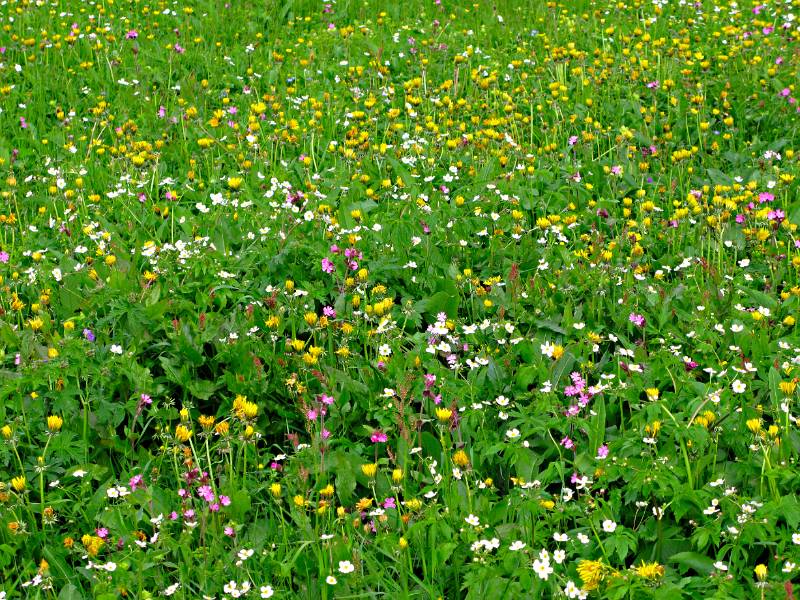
(206, 493)
(328, 266)
(389, 503)
(567, 443)
(378, 437)
(225, 500)
(4, 257)
(327, 399)
(602, 451)
(637, 319)
(101, 532)
(136, 482)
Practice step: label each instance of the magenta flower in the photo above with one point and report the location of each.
(225, 500)
(136, 482)
(328, 266)
(132, 35)
(602, 451)
(567, 443)
(378, 437)
(4, 257)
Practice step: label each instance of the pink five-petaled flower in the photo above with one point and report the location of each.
(136, 482)
(637, 319)
(4, 257)
(378, 437)
(602, 451)
(328, 266)
(206, 493)
(567, 443)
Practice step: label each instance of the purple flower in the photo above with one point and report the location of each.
(132, 35)
(567, 443)
(389, 503)
(329, 312)
(602, 451)
(225, 500)
(327, 399)
(136, 482)
(87, 333)
(101, 532)
(4, 257)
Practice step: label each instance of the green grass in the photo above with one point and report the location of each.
(398, 300)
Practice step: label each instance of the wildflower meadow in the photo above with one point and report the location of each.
(431, 299)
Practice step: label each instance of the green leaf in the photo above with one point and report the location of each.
(692, 560)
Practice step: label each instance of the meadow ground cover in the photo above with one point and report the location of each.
(427, 299)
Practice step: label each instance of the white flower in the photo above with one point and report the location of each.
(116, 349)
(561, 537)
(330, 580)
(345, 566)
(559, 556)
(244, 554)
(112, 492)
(110, 566)
(609, 526)
(267, 591)
(171, 589)
(473, 520)
(720, 566)
(796, 538)
(78, 473)
(738, 387)
(512, 434)
(583, 538)
(573, 591)
(517, 545)
(542, 569)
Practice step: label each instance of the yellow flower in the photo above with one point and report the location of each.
(754, 425)
(397, 475)
(299, 501)
(206, 422)
(443, 414)
(327, 491)
(363, 504)
(650, 571)
(461, 459)
(52, 353)
(591, 574)
(761, 572)
(6, 432)
(652, 394)
(369, 470)
(235, 183)
(403, 543)
(275, 490)
(414, 504)
(19, 483)
(183, 433)
(54, 423)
